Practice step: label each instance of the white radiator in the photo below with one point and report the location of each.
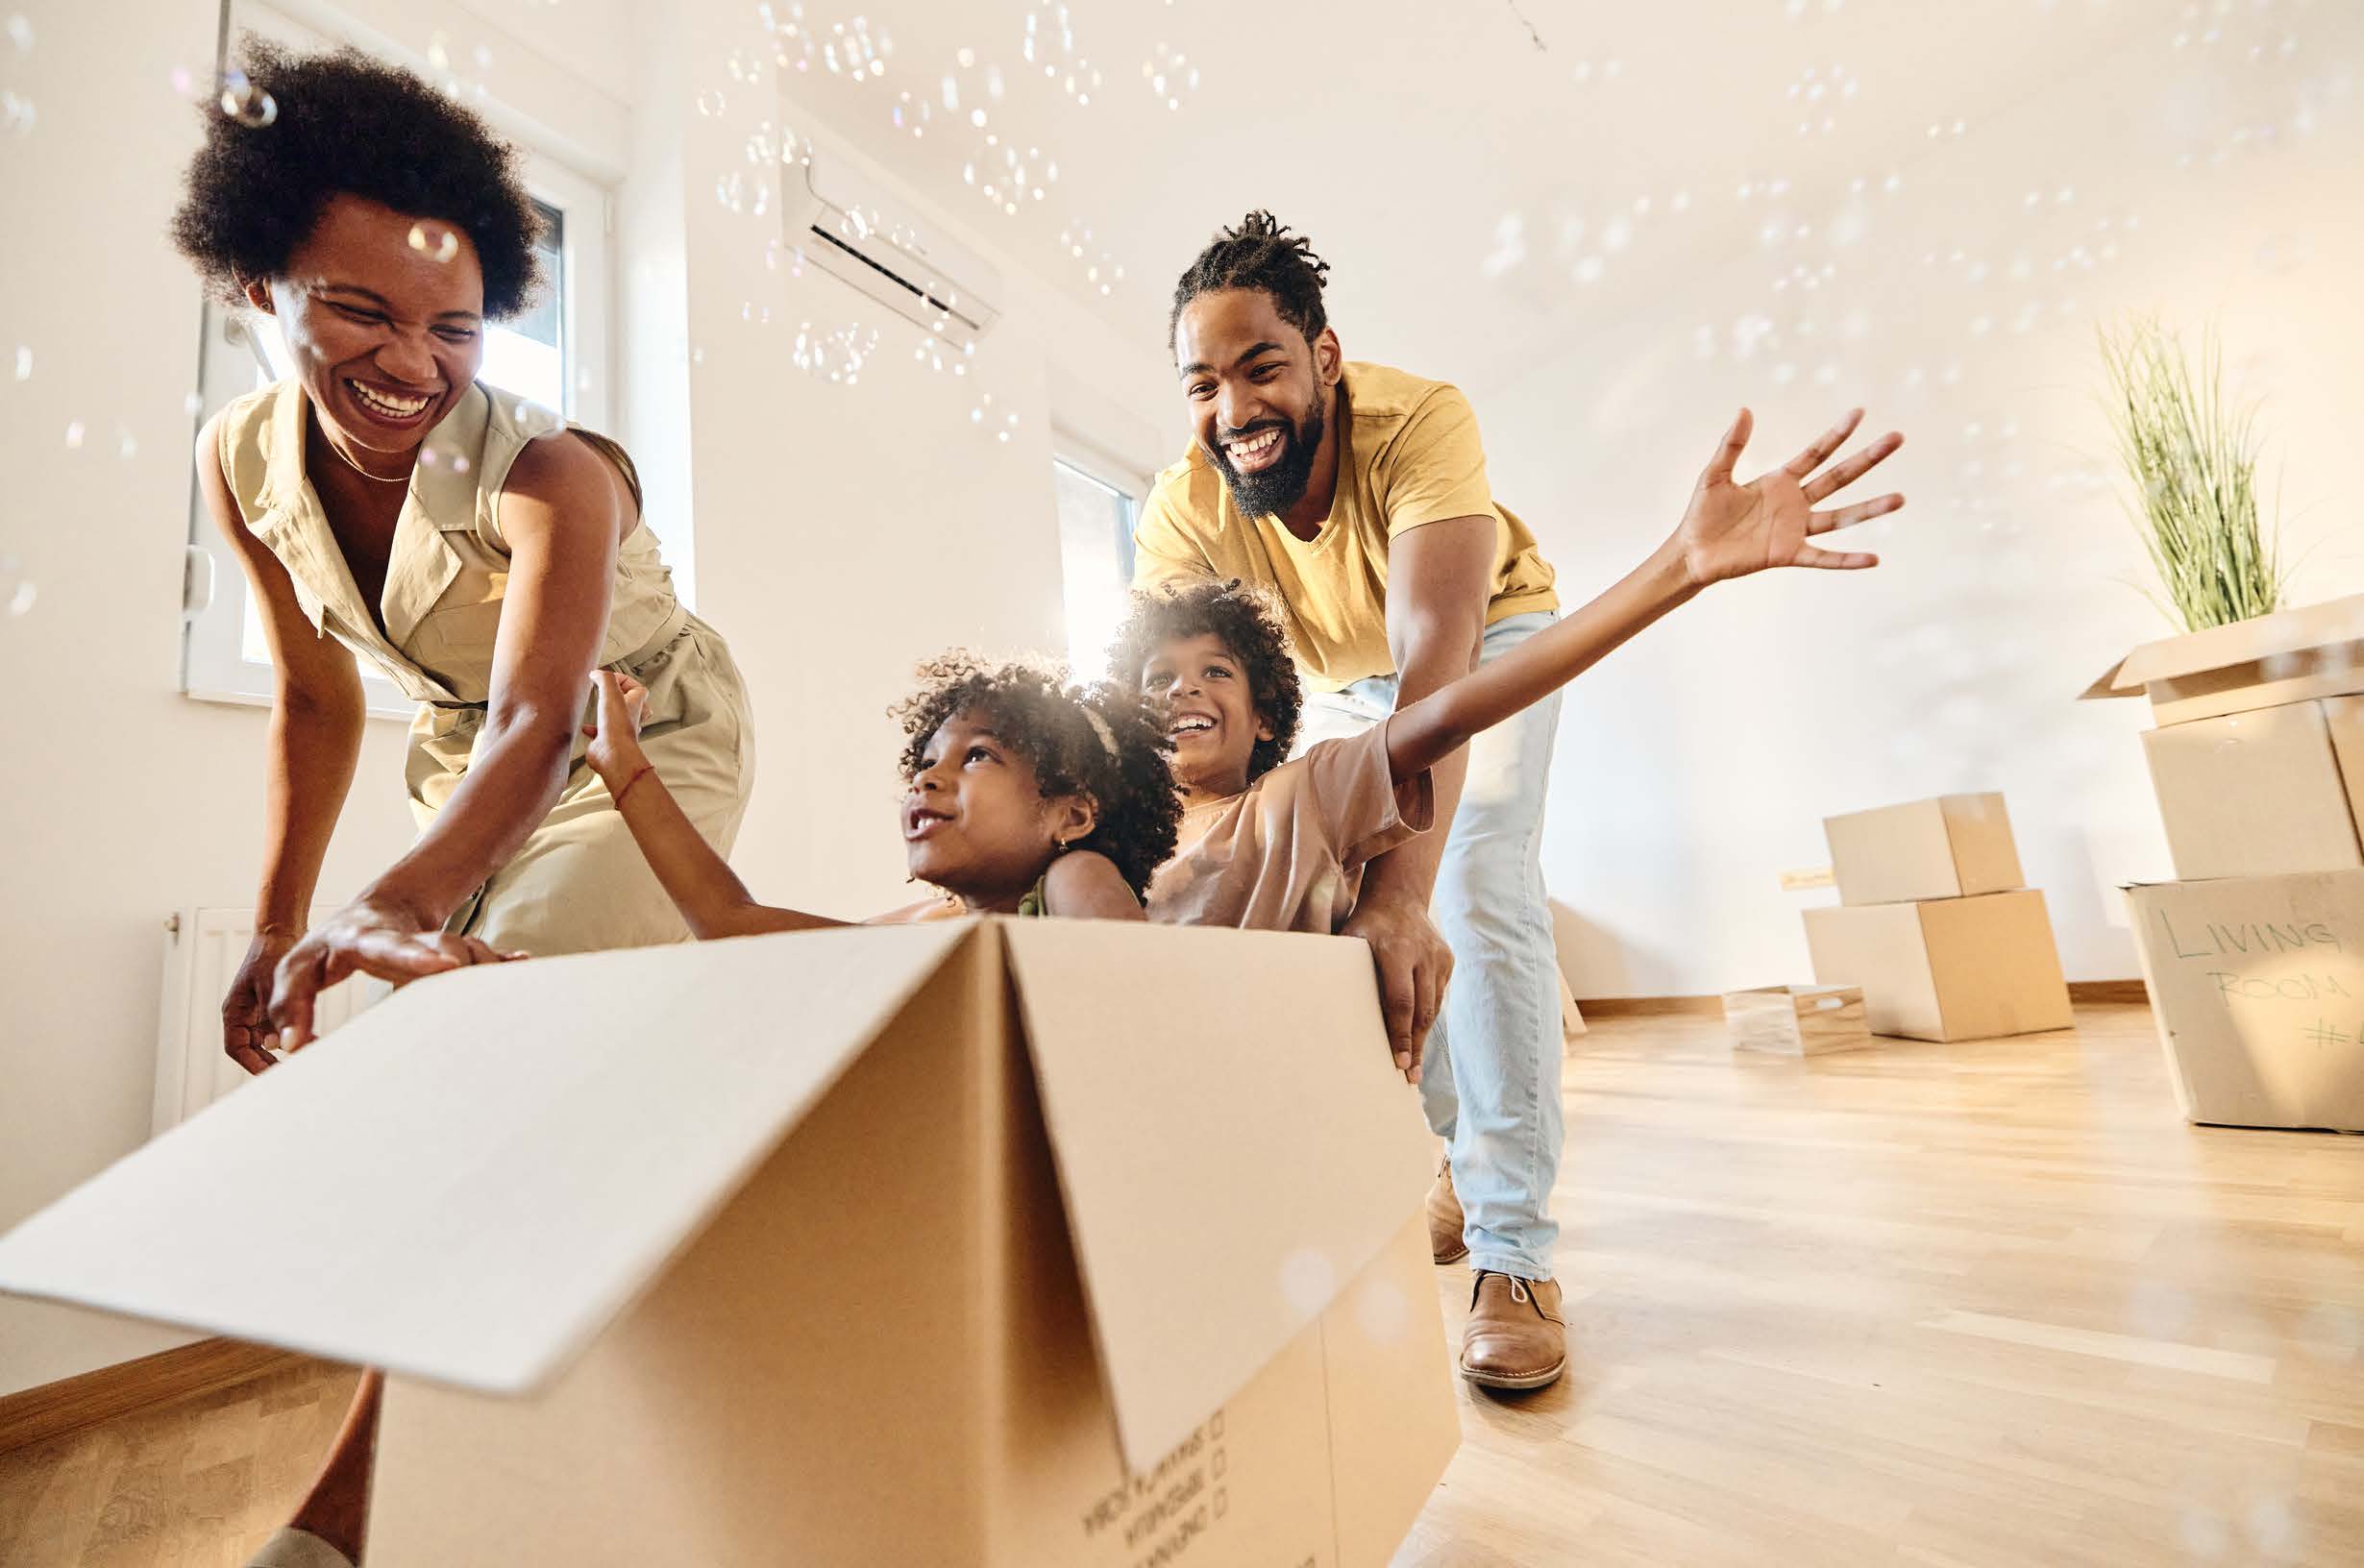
(201, 951)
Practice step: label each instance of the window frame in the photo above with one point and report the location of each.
(1102, 467)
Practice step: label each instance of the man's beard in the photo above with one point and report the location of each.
(1271, 491)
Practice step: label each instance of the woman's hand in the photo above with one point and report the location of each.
(1732, 529)
(614, 753)
(246, 1012)
(363, 938)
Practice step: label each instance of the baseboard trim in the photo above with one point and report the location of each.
(2108, 990)
(1650, 1007)
(36, 1415)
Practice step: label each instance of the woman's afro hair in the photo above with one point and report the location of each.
(1247, 620)
(1121, 762)
(348, 123)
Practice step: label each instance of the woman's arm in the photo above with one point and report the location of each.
(317, 715)
(562, 511)
(1729, 531)
(702, 886)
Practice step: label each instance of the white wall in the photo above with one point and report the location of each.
(842, 531)
(1696, 766)
(123, 800)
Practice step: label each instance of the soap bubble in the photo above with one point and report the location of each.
(434, 241)
(24, 363)
(127, 445)
(21, 601)
(73, 435)
(193, 404)
(459, 462)
(1382, 1313)
(244, 102)
(710, 104)
(16, 113)
(20, 31)
(1308, 1279)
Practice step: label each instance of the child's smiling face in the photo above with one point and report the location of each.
(1211, 713)
(976, 821)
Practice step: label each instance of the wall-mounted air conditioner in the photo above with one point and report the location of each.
(857, 228)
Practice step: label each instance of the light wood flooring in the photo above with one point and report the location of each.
(1987, 1304)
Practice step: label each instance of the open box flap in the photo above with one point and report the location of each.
(2242, 642)
(469, 1181)
(1232, 1141)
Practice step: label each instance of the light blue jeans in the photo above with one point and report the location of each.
(1491, 1080)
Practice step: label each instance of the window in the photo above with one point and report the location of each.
(1097, 512)
(555, 354)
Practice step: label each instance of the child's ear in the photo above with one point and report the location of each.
(1264, 726)
(1075, 818)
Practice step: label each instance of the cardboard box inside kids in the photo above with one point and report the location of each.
(1002, 1243)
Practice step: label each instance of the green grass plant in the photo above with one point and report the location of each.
(2193, 459)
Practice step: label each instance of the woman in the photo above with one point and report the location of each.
(387, 504)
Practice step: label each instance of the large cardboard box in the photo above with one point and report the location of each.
(2261, 663)
(2264, 791)
(1019, 1243)
(2258, 987)
(1945, 968)
(1954, 846)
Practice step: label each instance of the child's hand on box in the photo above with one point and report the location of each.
(614, 753)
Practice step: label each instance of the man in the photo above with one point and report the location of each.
(1357, 494)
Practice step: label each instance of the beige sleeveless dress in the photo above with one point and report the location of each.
(579, 882)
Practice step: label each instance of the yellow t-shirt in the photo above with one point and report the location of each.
(1411, 455)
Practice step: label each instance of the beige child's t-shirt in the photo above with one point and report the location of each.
(1287, 853)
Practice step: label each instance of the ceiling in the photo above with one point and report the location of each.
(1489, 179)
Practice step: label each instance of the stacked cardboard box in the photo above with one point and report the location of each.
(1935, 925)
(945, 1245)
(2252, 957)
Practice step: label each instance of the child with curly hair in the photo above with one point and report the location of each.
(1282, 844)
(1023, 796)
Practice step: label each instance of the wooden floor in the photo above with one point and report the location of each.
(1985, 1304)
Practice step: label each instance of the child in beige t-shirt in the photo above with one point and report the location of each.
(1281, 844)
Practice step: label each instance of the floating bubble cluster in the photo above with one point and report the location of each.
(19, 30)
(849, 48)
(1170, 73)
(1049, 41)
(1817, 92)
(837, 353)
(1100, 268)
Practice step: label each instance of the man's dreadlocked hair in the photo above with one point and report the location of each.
(1247, 620)
(1261, 253)
(1049, 721)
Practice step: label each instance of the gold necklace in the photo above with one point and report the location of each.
(378, 478)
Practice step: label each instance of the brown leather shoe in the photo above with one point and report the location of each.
(1515, 1337)
(1444, 1221)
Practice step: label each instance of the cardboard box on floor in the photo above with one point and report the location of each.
(1030, 1243)
(2258, 987)
(1952, 847)
(2261, 663)
(2262, 792)
(1945, 968)
(1797, 1020)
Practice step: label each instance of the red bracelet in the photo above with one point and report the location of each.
(646, 768)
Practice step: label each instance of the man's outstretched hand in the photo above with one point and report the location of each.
(1731, 530)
